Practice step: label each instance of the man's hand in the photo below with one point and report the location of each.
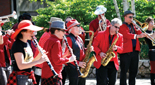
(141, 35)
(9, 32)
(114, 48)
(102, 55)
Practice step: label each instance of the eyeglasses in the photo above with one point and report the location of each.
(77, 25)
(130, 17)
(117, 27)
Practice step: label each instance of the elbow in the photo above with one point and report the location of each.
(20, 67)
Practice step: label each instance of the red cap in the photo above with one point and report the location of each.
(72, 23)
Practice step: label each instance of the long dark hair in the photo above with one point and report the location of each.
(20, 36)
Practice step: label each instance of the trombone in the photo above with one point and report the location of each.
(5, 18)
(144, 26)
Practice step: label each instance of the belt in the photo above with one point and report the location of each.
(151, 49)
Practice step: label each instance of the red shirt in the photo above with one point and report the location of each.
(127, 39)
(101, 44)
(93, 26)
(42, 41)
(53, 47)
(8, 44)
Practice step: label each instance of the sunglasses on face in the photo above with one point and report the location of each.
(63, 30)
(116, 27)
(66, 22)
(130, 17)
(77, 25)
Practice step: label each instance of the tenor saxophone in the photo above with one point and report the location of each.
(109, 54)
(88, 59)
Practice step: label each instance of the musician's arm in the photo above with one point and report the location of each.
(56, 55)
(24, 65)
(152, 35)
(126, 34)
(92, 28)
(96, 43)
(1, 37)
(120, 47)
(108, 22)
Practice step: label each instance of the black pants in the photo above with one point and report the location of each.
(152, 64)
(64, 75)
(73, 76)
(106, 75)
(37, 79)
(129, 62)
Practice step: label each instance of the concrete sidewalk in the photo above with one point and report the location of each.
(92, 81)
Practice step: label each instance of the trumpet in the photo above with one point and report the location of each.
(5, 18)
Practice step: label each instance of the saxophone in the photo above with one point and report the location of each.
(89, 58)
(109, 54)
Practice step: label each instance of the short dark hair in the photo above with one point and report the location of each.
(68, 17)
(26, 16)
(20, 36)
(149, 19)
(52, 30)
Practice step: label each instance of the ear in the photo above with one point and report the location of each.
(56, 31)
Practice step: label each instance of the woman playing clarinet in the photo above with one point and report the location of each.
(22, 55)
(54, 49)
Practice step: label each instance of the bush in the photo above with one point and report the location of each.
(83, 11)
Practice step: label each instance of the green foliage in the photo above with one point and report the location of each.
(83, 11)
(9, 25)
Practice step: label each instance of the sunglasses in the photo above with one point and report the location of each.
(77, 25)
(63, 30)
(116, 27)
(130, 17)
(66, 22)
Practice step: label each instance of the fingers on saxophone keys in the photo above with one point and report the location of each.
(102, 55)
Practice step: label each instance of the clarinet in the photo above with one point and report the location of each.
(48, 62)
(77, 67)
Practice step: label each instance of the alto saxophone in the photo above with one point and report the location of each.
(88, 58)
(109, 54)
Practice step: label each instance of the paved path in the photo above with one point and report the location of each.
(92, 81)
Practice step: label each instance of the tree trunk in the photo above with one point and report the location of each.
(133, 7)
(117, 9)
(125, 5)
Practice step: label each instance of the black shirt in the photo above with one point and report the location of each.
(19, 46)
(148, 41)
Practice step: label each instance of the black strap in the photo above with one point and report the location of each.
(110, 40)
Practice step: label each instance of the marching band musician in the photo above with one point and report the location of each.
(42, 41)
(76, 43)
(5, 59)
(130, 56)
(96, 24)
(22, 55)
(151, 45)
(54, 49)
(102, 42)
